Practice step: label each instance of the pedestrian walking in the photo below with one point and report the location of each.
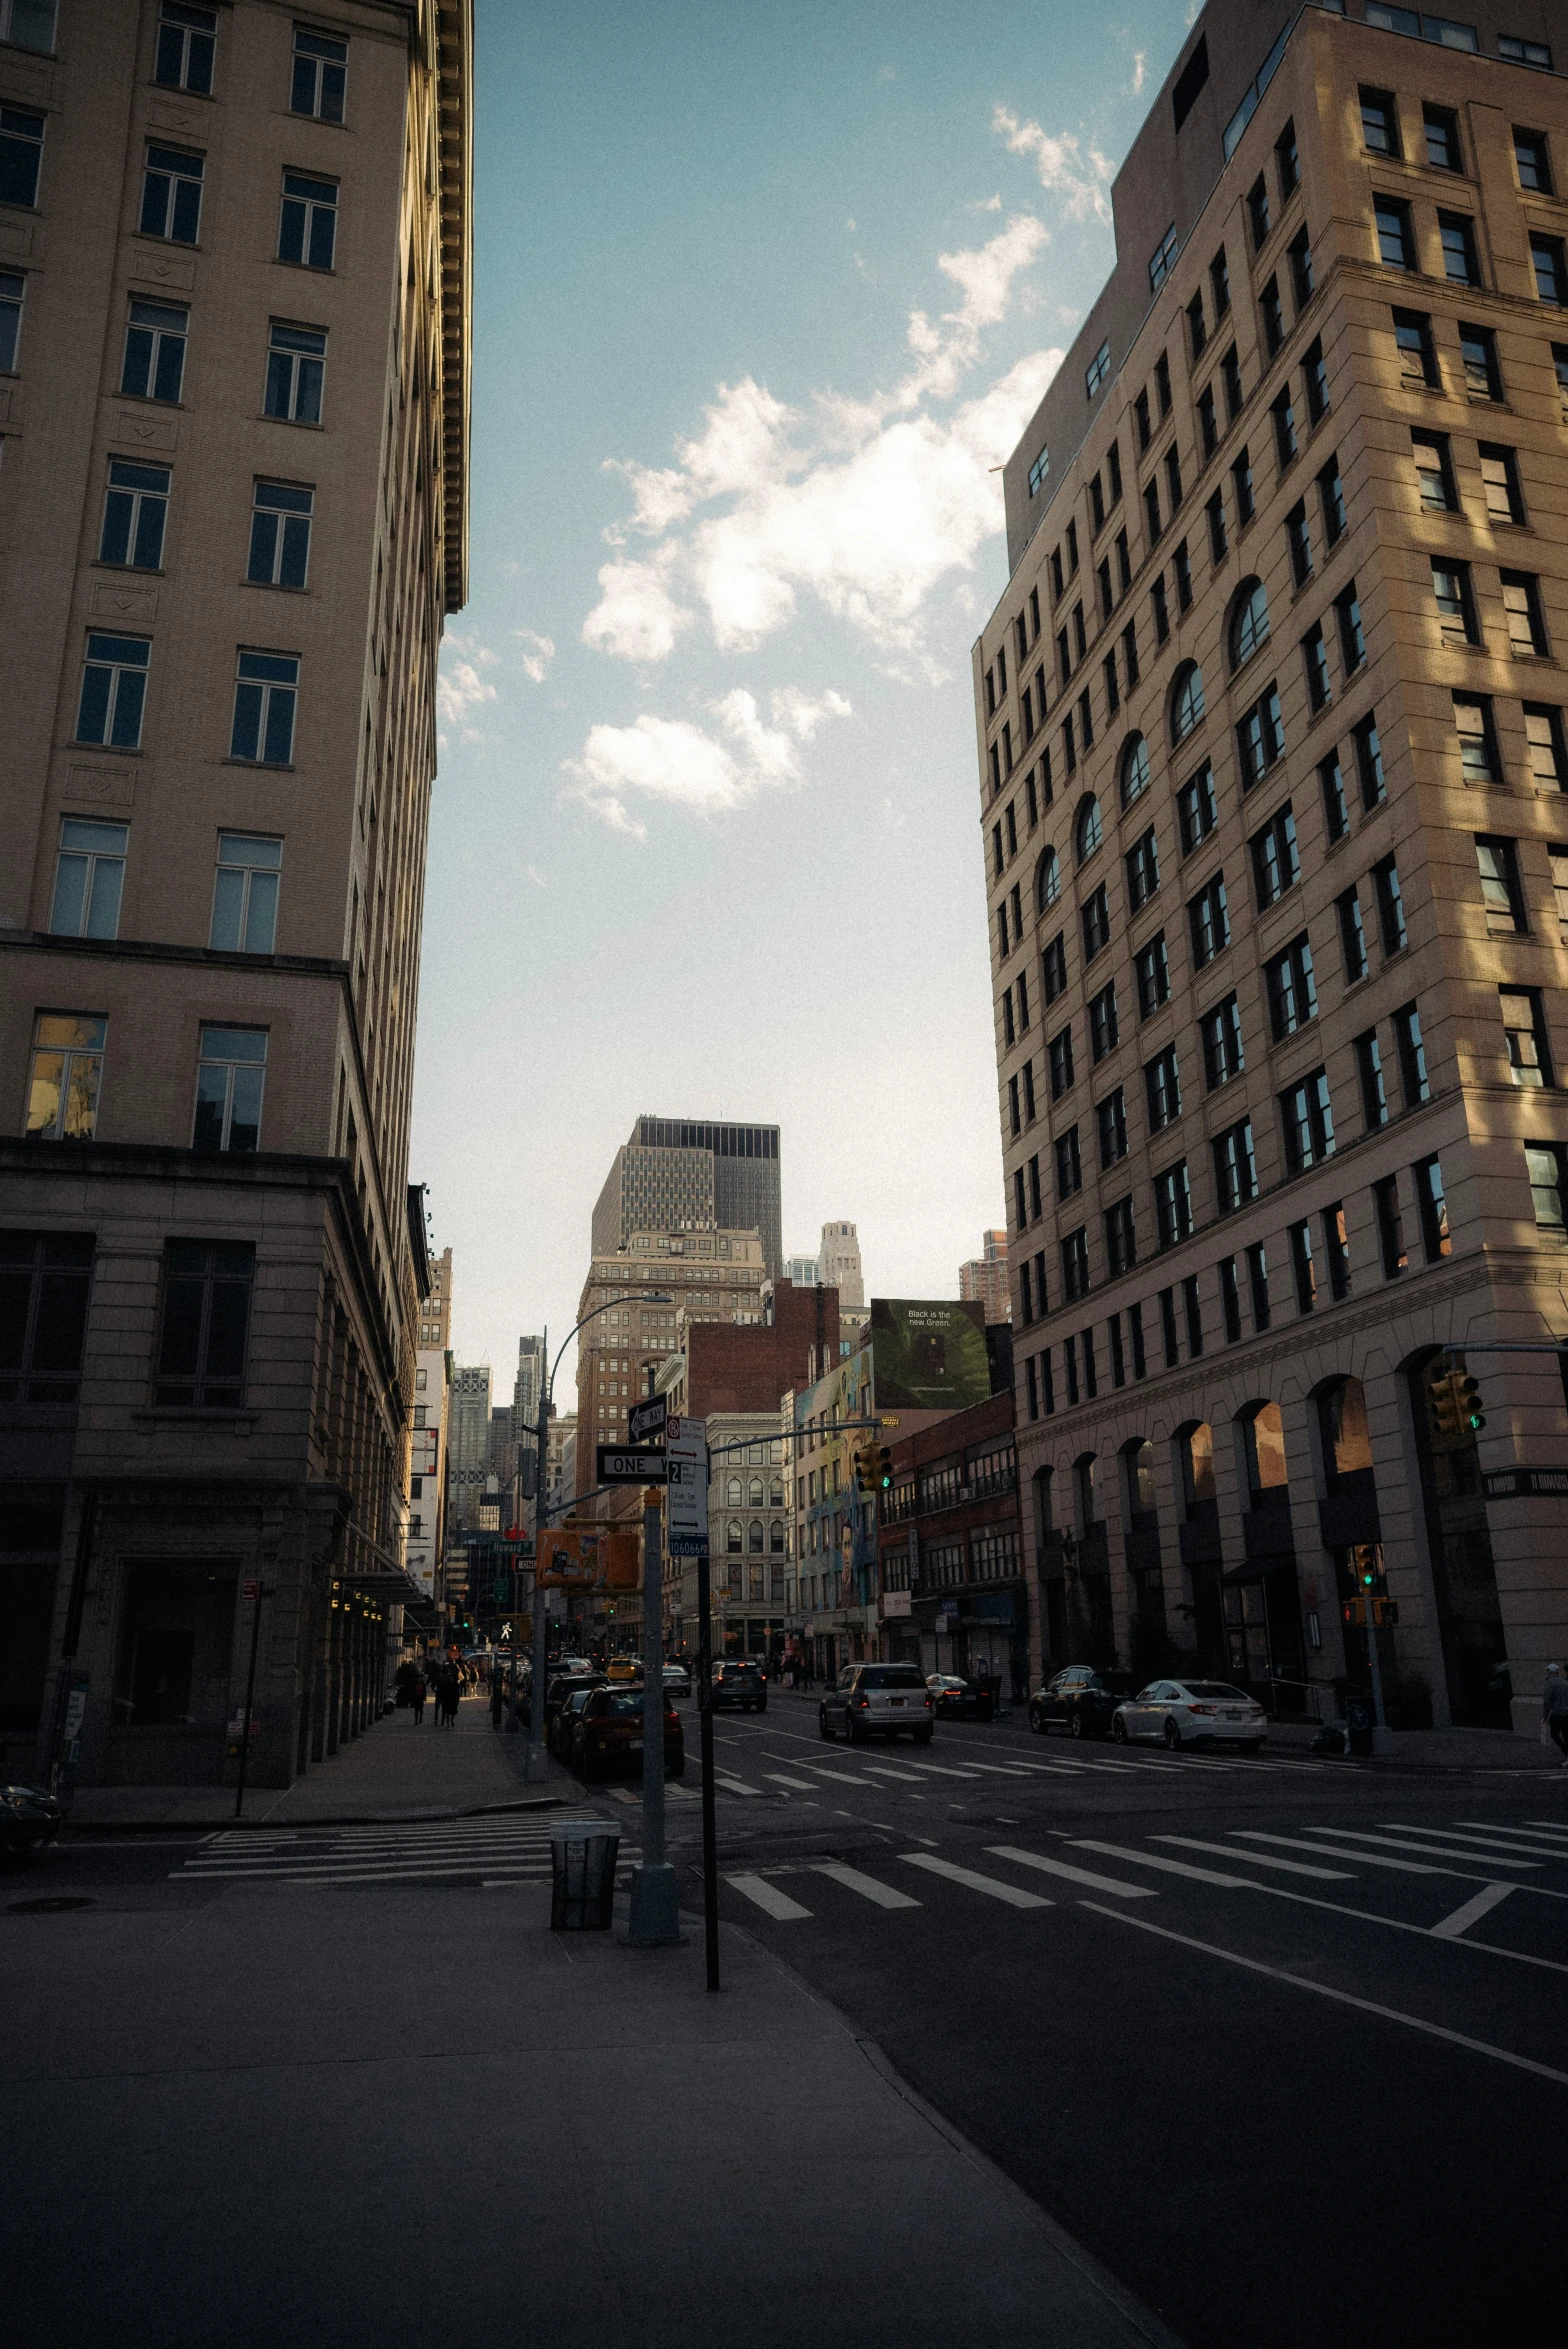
(1554, 1709)
(416, 1697)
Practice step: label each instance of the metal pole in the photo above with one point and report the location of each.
(250, 1698)
(534, 1760)
(654, 1916)
(710, 1832)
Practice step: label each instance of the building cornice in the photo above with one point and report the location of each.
(454, 47)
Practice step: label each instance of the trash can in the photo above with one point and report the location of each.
(583, 1853)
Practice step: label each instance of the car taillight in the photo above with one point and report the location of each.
(928, 1701)
(1203, 1708)
(864, 1704)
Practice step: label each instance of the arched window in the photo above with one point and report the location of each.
(1347, 1439)
(732, 1493)
(1090, 831)
(1263, 1433)
(1084, 1492)
(1186, 700)
(776, 1493)
(1135, 770)
(733, 1538)
(776, 1537)
(754, 1493)
(1047, 881)
(1249, 624)
(1196, 1448)
(1139, 1456)
(754, 1537)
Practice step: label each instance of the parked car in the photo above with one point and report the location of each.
(558, 1698)
(607, 1734)
(958, 1699)
(29, 1818)
(1192, 1712)
(1080, 1700)
(878, 1700)
(677, 1680)
(740, 1681)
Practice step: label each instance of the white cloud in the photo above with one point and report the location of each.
(865, 505)
(460, 690)
(538, 653)
(1139, 68)
(677, 763)
(1080, 175)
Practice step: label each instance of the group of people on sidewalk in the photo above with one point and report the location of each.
(445, 1686)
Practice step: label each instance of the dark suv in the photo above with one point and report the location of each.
(739, 1681)
(1081, 1701)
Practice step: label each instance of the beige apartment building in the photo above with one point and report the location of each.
(984, 1277)
(1273, 767)
(702, 1275)
(234, 299)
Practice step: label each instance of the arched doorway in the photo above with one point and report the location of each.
(1262, 1597)
(1148, 1640)
(1200, 1541)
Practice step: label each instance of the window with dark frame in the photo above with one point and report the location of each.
(204, 1325)
(1308, 1123)
(45, 1287)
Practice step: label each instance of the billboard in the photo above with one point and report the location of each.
(930, 1353)
(588, 1558)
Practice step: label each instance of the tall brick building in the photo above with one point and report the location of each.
(1272, 767)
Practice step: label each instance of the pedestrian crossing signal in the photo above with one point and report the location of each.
(1467, 1395)
(881, 1460)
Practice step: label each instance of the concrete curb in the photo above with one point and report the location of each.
(272, 1826)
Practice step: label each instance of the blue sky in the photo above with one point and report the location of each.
(761, 295)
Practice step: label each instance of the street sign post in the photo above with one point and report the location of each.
(629, 1463)
(686, 1531)
(686, 1452)
(645, 1422)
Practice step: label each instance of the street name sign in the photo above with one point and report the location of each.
(629, 1464)
(645, 1421)
(686, 1518)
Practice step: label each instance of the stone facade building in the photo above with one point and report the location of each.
(705, 1277)
(1272, 766)
(233, 506)
(984, 1277)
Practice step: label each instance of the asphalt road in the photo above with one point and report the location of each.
(1283, 2041)
(1309, 2091)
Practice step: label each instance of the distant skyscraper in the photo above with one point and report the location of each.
(985, 1277)
(803, 1272)
(469, 1443)
(839, 1261)
(680, 1174)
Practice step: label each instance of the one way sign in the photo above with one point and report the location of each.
(645, 1422)
(629, 1464)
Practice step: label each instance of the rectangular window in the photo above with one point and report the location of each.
(1162, 1089)
(1519, 52)
(1432, 1208)
(1417, 350)
(320, 75)
(1548, 1178)
(1396, 236)
(228, 1089)
(1193, 1310)
(1075, 1266)
(1096, 918)
(1477, 733)
(1532, 160)
(1379, 122)
(1168, 1328)
(1161, 261)
(1478, 350)
(1162, 383)
(45, 1283)
(1451, 592)
(1352, 936)
(1053, 968)
(1034, 1187)
(1314, 655)
(1501, 894)
(1258, 1284)
(1558, 859)
(1208, 425)
(1336, 1251)
(308, 221)
(1369, 762)
(1235, 1167)
(1140, 412)
(1172, 1205)
(205, 1324)
(1241, 486)
(171, 195)
(1121, 1242)
(1219, 284)
(1307, 1118)
(245, 894)
(1524, 1029)
(1143, 870)
(1069, 1170)
(1548, 748)
(1102, 1023)
(1258, 211)
(1276, 865)
(1220, 1030)
(266, 692)
(1113, 699)
(1208, 918)
(1526, 620)
(1157, 604)
(1434, 472)
(1456, 233)
(296, 373)
(1369, 1070)
(1197, 812)
(1390, 1228)
(1060, 1054)
(187, 38)
(1230, 1299)
(1291, 989)
(1070, 1364)
(1218, 543)
(1098, 369)
(1336, 814)
(1029, 1101)
(1173, 488)
(1299, 540)
(1440, 126)
(1314, 374)
(1413, 1078)
(1390, 906)
(65, 1075)
(1550, 263)
(135, 509)
(1111, 1120)
(1152, 969)
(89, 876)
(114, 692)
(1123, 582)
(1260, 737)
(1352, 639)
(1302, 1269)
(1500, 481)
(280, 535)
(1151, 511)
(21, 155)
(1331, 497)
(1302, 284)
(13, 287)
(154, 363)
(1038, 470)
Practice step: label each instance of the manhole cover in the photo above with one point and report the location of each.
(48, 1907)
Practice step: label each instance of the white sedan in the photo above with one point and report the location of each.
(1191, 1712)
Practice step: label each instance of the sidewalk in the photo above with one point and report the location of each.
(367, 2115)
(393, 1770)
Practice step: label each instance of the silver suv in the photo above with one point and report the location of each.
(878, 1700)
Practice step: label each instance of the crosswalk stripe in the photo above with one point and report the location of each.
(800, 1785)
(975, 1882)
(844, 1777)
(1553, 1826)
(1532, 1834)
(886, 1770)
(768, 1898)
(734, 1785)
(1259, 1859)
(1438, 1851)
(941, 1770)
(1450, 1927)
(1329, 1851)
(1149, 1859)
(1048, 1867)
(1480, 1843)
(867, 1886)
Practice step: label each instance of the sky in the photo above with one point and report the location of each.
(763, 295)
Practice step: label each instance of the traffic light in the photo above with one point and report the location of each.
(1354, 1612)
(1467, 1394)
(1385, 1613)
(864, 1480)
(1442, 1402)
(882, 1464)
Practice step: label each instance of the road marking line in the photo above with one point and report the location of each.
(886, 1770)
(1555, 1827)
(1149, 1859)
(1394, 1843)
(800, 1785)
(938, 1770)
(974, 1881)
(1368, 2006)
(844, 1777)
(735, 1785)
(1329, 1851)
(1480, 1845)
(867, 1886)
(1488, 1897)
(768, 1898)
(1034, 1859)
(1525, 1834)
(1258, 1859)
